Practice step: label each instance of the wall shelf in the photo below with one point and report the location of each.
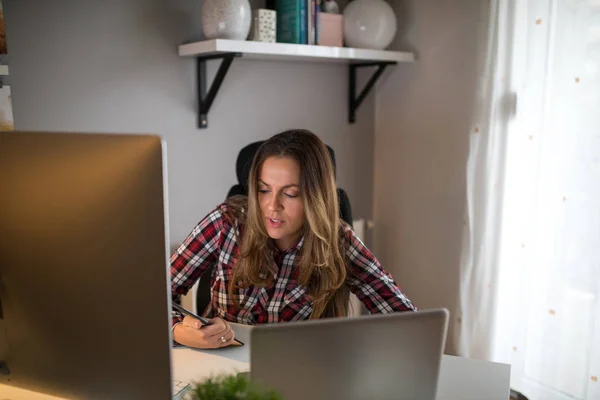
(227, 50)
(291, 52)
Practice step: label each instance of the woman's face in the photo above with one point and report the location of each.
(281, 200)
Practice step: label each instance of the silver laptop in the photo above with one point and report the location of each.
(84, 283)
(378, 357)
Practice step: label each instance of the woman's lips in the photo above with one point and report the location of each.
(274, 223)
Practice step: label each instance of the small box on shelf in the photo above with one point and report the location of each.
(331, 30)
(263, 28)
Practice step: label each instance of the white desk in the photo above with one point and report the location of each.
(460, 378)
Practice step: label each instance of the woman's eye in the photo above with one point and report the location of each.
(263, 191)
(291, 196)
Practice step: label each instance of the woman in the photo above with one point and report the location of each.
(282, 253)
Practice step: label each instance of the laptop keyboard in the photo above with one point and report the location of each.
(179, 389)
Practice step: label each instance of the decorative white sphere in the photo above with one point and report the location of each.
(369, 24)
(226, 19)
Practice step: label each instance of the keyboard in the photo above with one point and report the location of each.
(179, 389)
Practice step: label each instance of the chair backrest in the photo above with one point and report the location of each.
(242, 170)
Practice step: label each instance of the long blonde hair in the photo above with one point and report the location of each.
(322, 265)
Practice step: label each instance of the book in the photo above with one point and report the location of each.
(290, 21)
(316, 20)
(303, 21)
(312, 4)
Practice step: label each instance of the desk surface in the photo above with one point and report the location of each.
(460, 378)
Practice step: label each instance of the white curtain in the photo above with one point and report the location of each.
(531, 266)
(485, 169)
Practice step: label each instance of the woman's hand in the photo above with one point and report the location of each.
(192, 333)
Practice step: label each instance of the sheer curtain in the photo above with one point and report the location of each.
(531, 266)
(485, 170)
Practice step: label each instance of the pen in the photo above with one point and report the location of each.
(203, 321)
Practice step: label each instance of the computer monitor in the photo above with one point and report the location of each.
(84, 280)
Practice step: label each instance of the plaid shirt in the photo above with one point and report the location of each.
(212, 245)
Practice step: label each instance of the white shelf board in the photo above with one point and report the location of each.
(291, 52)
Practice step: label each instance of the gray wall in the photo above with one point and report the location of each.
(112, 66)
(423, 114)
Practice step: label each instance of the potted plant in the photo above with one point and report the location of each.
(231, 387)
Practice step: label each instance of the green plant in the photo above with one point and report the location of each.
(231, 387)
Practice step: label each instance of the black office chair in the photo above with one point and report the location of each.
(514, 395)
(243, 165)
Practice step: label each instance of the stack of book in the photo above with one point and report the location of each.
(298, 21)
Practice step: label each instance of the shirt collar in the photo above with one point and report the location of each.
(292, 249)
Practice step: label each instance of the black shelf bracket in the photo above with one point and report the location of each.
(353, 101)
(206, 95)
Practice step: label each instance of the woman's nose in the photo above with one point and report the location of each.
(275, 203)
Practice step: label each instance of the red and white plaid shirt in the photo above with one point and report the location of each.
(212, 245)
